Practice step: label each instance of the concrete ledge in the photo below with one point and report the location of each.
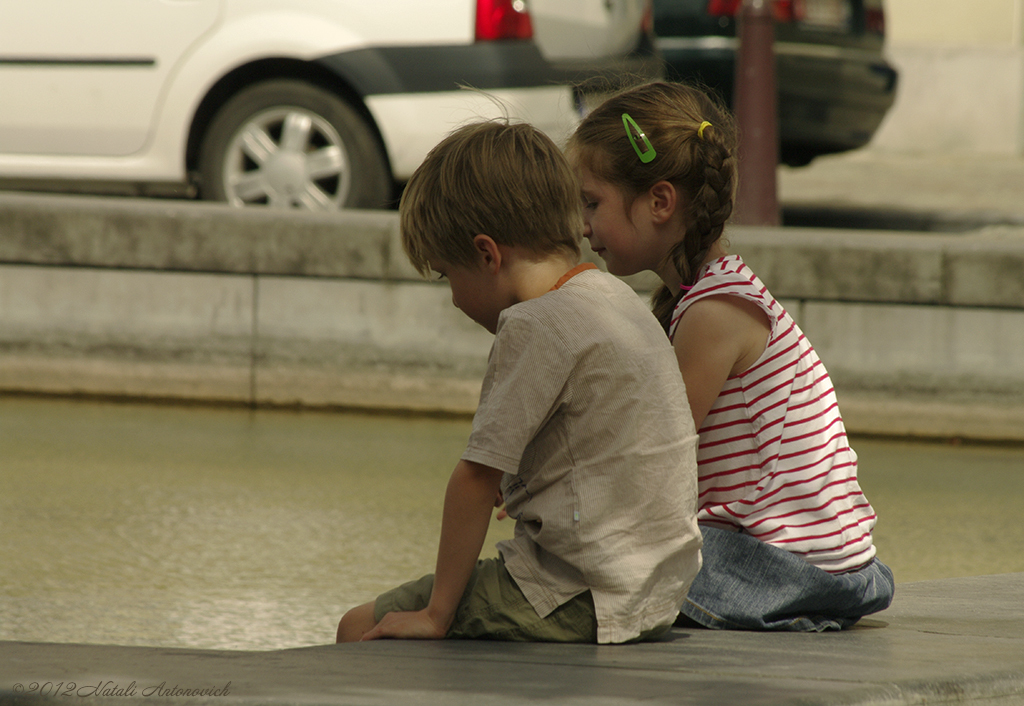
(978, 269)
(946, 641)
(187, 236)
(187, 301)
(981, 268)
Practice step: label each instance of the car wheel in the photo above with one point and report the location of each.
(289, 144)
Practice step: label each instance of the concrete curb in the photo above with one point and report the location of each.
(945, 641)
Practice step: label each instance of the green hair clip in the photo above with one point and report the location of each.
(647, 154)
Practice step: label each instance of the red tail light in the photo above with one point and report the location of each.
(790, 10)
(502, 19)
(647, 23)
(784, 10)
(724, 8)
(875, 21)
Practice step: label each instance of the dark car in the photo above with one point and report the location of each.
(834, 85)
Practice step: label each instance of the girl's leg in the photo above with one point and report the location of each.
(745, 584)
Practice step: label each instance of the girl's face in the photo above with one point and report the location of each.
(621, 233)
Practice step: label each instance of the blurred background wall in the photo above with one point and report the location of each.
(961, 68)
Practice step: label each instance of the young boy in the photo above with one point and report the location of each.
(583, 427)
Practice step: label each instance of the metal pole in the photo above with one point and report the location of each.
(757, 115)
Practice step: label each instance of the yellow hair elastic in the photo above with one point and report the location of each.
(700, 130)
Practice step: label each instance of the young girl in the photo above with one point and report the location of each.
(787, 530)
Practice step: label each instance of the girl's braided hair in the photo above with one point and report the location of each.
(701, 166)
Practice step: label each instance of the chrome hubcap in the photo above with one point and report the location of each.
(287, 158)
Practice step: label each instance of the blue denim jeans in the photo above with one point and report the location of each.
(745, 584)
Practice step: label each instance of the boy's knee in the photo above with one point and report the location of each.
(356, 623)
(343, 630)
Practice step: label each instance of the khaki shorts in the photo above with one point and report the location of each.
(494, 608)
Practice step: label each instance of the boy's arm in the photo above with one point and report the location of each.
(468, 504)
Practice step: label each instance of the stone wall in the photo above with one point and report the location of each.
(922, 333)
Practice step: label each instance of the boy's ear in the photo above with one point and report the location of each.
(488, 252)
(664, 200)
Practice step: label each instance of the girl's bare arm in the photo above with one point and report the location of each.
(717, 337)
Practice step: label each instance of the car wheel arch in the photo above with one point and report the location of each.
(262, 70)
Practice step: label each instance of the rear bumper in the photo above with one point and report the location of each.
(483, 65)
(831, 99)
(416, 95)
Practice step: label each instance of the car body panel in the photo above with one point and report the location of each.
(586, 30)
(57, 54)
(424, 118)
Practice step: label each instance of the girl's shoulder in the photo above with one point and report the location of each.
(728, 276)
(728, 268)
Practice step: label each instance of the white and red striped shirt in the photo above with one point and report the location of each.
(774, 460)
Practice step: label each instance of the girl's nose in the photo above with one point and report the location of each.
(586, 228)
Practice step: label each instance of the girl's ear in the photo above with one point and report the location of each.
(488, 252)
(664, 200)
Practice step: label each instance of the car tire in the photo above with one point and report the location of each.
(290, 144)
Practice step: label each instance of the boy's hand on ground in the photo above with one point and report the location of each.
(413, 625)
(469, 499)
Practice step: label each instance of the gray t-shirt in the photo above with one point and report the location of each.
(583, 407)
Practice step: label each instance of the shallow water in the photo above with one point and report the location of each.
(945, 510)
(232, 529)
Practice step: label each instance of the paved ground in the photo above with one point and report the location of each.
(947, 641)
(874, 189)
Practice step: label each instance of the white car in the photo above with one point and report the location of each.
(317, 104)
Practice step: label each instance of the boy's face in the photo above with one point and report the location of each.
(474, 291)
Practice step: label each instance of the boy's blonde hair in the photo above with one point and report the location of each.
(691, 143)
(505, 180)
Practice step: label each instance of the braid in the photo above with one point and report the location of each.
(705, 219)
(711, 205)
